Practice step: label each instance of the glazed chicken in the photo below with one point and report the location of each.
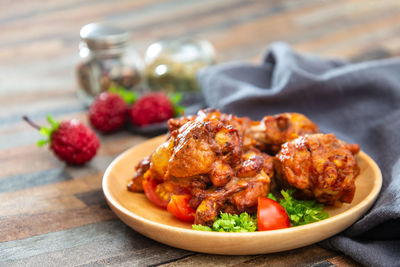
(221, 161)
(251, 180)
(243, 125)
(320, 166)
(273, 131)
(206, 157)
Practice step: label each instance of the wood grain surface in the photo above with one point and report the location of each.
(55, 215)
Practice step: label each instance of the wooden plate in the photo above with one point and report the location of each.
(141, 215)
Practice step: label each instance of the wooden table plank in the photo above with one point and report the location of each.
(296, 257)
(107, 242)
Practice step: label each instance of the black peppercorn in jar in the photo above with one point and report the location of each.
(107, 60)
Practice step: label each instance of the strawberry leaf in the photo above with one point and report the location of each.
(42, 142)
(48, 131)
(45, 131)
(128, 96)
(175, 98)
(54, 124)
(179, 111)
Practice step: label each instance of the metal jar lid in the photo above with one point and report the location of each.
(103, 36)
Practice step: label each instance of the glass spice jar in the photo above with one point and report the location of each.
(107, 60)
(171, 66)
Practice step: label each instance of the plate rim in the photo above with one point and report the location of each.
(368, 200)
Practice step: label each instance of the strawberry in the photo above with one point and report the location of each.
(153, 108)
(70, 140)
(108, 112)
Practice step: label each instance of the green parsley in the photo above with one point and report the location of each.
(226, 222)
(302, 212)
(271, 196)
(200, 227)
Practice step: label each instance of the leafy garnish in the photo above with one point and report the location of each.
(47, 131)
(200, 227)
(128, 96)
(175, 99)
(302, 212)
(42, 142)
(226, 222)
(179, 111)
(271, 196)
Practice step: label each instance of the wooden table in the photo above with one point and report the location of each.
(56, 215)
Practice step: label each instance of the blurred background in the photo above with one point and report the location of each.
(39, 39)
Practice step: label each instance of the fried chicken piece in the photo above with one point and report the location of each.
(247, 199)
(192, 151)
(320, 166)
(221, 173)
(243, 124)
(267, 135)
(176, 123)
(200, 147)
(240, 194)
(157, 162)
(160, 158)
(135, 185)
(253, 161)
(275, 130)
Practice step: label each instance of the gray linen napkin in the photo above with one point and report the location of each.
(360, 103)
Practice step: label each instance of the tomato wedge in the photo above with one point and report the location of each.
(179, 207)
(153, 192)
(271, 215)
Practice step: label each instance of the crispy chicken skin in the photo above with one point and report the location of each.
(273, 131)
(320, 166)
(192, 151)
(202, 147)
(211, 147)
(240, 194)
(243, 124)
(135, 185)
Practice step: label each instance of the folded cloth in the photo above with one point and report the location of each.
(360, 103)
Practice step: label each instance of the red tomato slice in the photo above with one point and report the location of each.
(152, 190)
(179, 207)
(271, 215)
